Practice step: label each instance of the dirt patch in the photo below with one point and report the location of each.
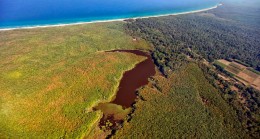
(233, 88)
(237, 65)
(246, 77)
(242, 81)
(251, 74)
(223, 77)
(225, 62)
(205, 101)
(232, 69)
(256, 83)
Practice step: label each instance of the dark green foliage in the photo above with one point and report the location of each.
(208, 35)
(204, 33)
(240, 62)
(245, 101)
(187, 107)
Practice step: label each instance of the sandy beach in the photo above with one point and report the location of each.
(103, 21)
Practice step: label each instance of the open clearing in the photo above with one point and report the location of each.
(51, 78)
(225, 62)
(242, 73)
(256, 83)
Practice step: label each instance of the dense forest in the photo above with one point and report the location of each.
(204, 34)
(243, 11)
(245, 100)
(222, 33)
(186, 105)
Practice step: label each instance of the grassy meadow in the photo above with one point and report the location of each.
(51, 78)
(186, 106)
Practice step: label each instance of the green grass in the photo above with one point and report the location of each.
(187, 107)
(220, 64)
(51, 78)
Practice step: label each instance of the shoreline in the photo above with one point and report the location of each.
(105, 21)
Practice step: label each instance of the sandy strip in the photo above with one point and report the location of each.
(103, 21)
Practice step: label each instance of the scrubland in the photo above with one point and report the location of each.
(51, 78)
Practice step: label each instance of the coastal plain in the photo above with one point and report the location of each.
(51, 78)
(62, 82)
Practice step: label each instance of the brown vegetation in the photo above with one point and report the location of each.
(242, 73)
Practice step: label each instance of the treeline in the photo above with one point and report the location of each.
(179, 39)
(209, 36)
(245, 100)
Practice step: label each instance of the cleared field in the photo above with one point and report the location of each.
(237, 65)
(242, 73)
(247, 75)
(220, 64)
(254, 71)
(241, 80)
(51, 78)
(187, 107)
(256, 83)
(225, 62)
(232, 69)
(250, 73)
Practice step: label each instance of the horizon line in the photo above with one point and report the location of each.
(105, 21)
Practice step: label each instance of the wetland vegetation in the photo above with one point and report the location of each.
(61, 82)
(51, 78)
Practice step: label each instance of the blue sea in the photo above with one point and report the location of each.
(29, 13)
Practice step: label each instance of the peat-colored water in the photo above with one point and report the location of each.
(133, 79)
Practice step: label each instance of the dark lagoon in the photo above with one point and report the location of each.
(33, 13)
(134, 79)
(126, 95)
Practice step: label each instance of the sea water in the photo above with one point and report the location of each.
(29, 13)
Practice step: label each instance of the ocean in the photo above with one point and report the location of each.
(31, 13)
